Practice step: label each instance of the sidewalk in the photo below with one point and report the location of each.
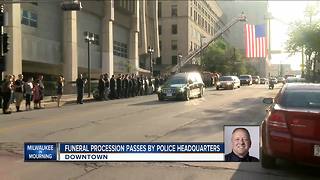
(48, 102)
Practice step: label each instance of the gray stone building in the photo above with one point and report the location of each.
(255, 12)
(47, 40)
(183, 26)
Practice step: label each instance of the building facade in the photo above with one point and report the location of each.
(256, 12)
(47, 40)
(183, 27)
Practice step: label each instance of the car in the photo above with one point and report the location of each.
(255, 80)
(245, 79)
(281, 80)
(263, 80)
(291, 128)
(295, 80)
(182, 86)
(228, 82)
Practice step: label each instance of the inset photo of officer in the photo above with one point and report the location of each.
(241, 143)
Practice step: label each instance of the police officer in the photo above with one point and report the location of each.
(112, 87)
(119, 86)
(101, 87)
(80, 82)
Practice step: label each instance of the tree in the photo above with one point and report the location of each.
(223, 58)
(306, 35)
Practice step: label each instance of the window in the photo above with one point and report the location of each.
(174, 29)
(174, 11)
(159, 61)
(120, 49)
(195, 16)
(29, 18)
(159, 29)
(174, 45)
(191, 11)
(174, 60)
(159, 10)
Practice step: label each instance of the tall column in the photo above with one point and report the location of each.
(156, 29)
(143, 28)
(133, 47)
(14, 55)
(70, 49)
(107, 38)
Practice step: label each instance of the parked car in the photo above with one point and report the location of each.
(228, 82)
(263, 80)
(281, 80)
(245, 79)
(255, 80)
(295, 80)
(182, 86)
(291, 128)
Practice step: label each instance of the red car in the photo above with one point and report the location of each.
(291, 129)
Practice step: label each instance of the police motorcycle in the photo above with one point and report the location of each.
(272, 82)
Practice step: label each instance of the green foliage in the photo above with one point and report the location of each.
(306, 35)
(223, 58)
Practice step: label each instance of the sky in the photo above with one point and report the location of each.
(284, 13)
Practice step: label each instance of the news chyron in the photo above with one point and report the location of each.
(34, 152)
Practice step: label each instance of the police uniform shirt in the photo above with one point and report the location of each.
(232, 157)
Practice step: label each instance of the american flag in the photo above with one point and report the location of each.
(256, 41)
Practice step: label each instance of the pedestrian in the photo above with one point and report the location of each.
(28, 86)
(60, 85)
(123, 86)
(12, 96)
(41, 89)
(7, 87)
(150, 85)
(18, 91)
(80, 83)
(107, 84)
(112, 87)
(36, 95)
(101, 87)
(126, 86)
(119, 86)
(146, 85)
(156, 83)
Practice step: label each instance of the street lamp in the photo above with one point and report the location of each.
(89, 38)
(179, 58)
(151, 51)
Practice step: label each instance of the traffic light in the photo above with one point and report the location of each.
(5, 43)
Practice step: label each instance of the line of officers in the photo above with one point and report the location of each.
(127, 85)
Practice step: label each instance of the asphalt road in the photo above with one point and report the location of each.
(140, 119)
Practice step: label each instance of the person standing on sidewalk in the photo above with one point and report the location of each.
(80, 82)
(119, 86)
(28, 86)
(18, 91)
(41, 90)
(60, 84)
(7, 87)
(112, 87)
(101, 87)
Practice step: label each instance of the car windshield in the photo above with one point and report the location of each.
(225, 78)
(244, 77)
(179, 80)
(301, 99)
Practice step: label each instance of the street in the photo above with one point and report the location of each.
(140, 119)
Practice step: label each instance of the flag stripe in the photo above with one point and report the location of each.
(255, 46)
